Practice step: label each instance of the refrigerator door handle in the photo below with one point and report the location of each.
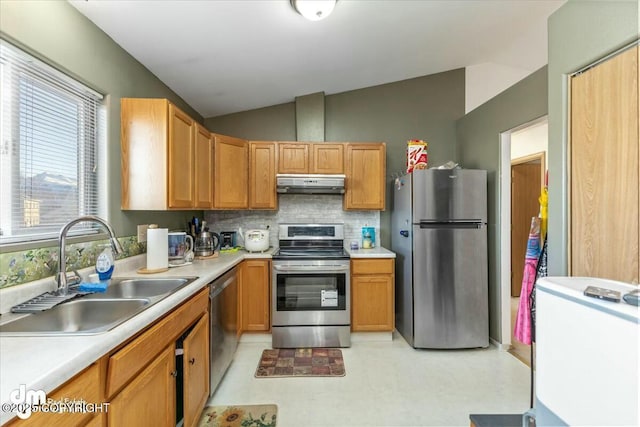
(451, 224)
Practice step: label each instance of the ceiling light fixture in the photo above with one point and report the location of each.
(314, 10)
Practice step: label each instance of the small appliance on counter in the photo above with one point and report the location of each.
(368, 237)
(227, 239)
(256, 240)
(206, 243)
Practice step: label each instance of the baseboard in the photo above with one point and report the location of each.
(371, 336)
(500, 346)
(265, 337)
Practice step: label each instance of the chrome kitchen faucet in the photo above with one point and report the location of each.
(61, 277)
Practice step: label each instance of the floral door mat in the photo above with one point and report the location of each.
(301, 362)
(239, 416)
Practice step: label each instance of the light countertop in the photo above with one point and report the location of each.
(377, 252)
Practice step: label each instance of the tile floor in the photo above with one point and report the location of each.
(387, 383)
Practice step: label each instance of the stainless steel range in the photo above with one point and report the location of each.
(311, 302)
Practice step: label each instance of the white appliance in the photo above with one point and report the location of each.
(587, 355)
(256, 240)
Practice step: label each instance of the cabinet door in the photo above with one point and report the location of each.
(255, 281)
(149, 400)
(231, 172)
(144, 124)
(327, 158)
(372, 303)
(84, 386)
(293, 158)
(181, 159)
(365, 171)
(604, 170)
(262, 175)
(196, 371)
(203, 168)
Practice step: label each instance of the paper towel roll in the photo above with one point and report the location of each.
(157, 244)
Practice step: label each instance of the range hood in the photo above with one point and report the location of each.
(309, 184)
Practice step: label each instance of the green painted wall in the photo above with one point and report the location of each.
(274, 123)
(478, 138)
(580, 32)
(57, 33)
(420, 108)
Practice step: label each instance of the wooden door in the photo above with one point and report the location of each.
(203, 168)
(365, 170)
(149, 400)
(181, 159)
(196, 371)
(262, 175)
(327, 158)
(254, 295)
(232, 173)
(525, 191)
(605, 170)
(293, 158)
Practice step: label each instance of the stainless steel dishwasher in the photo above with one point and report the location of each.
(224, 325)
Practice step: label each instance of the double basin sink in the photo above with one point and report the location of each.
(99, 312)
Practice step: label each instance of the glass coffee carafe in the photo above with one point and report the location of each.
(206, 243)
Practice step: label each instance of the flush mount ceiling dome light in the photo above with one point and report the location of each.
(314, 10)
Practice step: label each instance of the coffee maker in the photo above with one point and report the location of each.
(227, 239)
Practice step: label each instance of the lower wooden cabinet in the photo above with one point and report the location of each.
(372, 295)
(84, 386)
(196, 371)
(254, 295)
(150, 398)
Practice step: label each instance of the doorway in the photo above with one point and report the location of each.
(522, 145)
(527, 178)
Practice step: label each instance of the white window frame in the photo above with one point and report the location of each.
(17, 66)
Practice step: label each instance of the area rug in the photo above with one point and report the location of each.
(301, 362)
(239, 416)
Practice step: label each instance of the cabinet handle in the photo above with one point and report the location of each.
(192, 360)
(174, 374)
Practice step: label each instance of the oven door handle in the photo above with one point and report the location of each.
(311, 268)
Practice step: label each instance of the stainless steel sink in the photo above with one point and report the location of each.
(99, 312)
(82, 316)
(143, 288)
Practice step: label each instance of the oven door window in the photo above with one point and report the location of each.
(306, 292)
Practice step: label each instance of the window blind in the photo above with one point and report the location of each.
(50, 126)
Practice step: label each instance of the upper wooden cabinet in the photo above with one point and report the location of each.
(157, 155)
(231, 172)
(605, 171)
(305, 157)
(262, 175)
(204, 146)
(327, 158)
(293, 157)
(365, 168)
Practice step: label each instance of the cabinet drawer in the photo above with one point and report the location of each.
(84, 386)
(372, 266)
(127, 362)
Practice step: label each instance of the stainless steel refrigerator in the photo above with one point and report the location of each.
(439, 235)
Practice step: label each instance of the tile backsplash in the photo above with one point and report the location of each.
(297, 208)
